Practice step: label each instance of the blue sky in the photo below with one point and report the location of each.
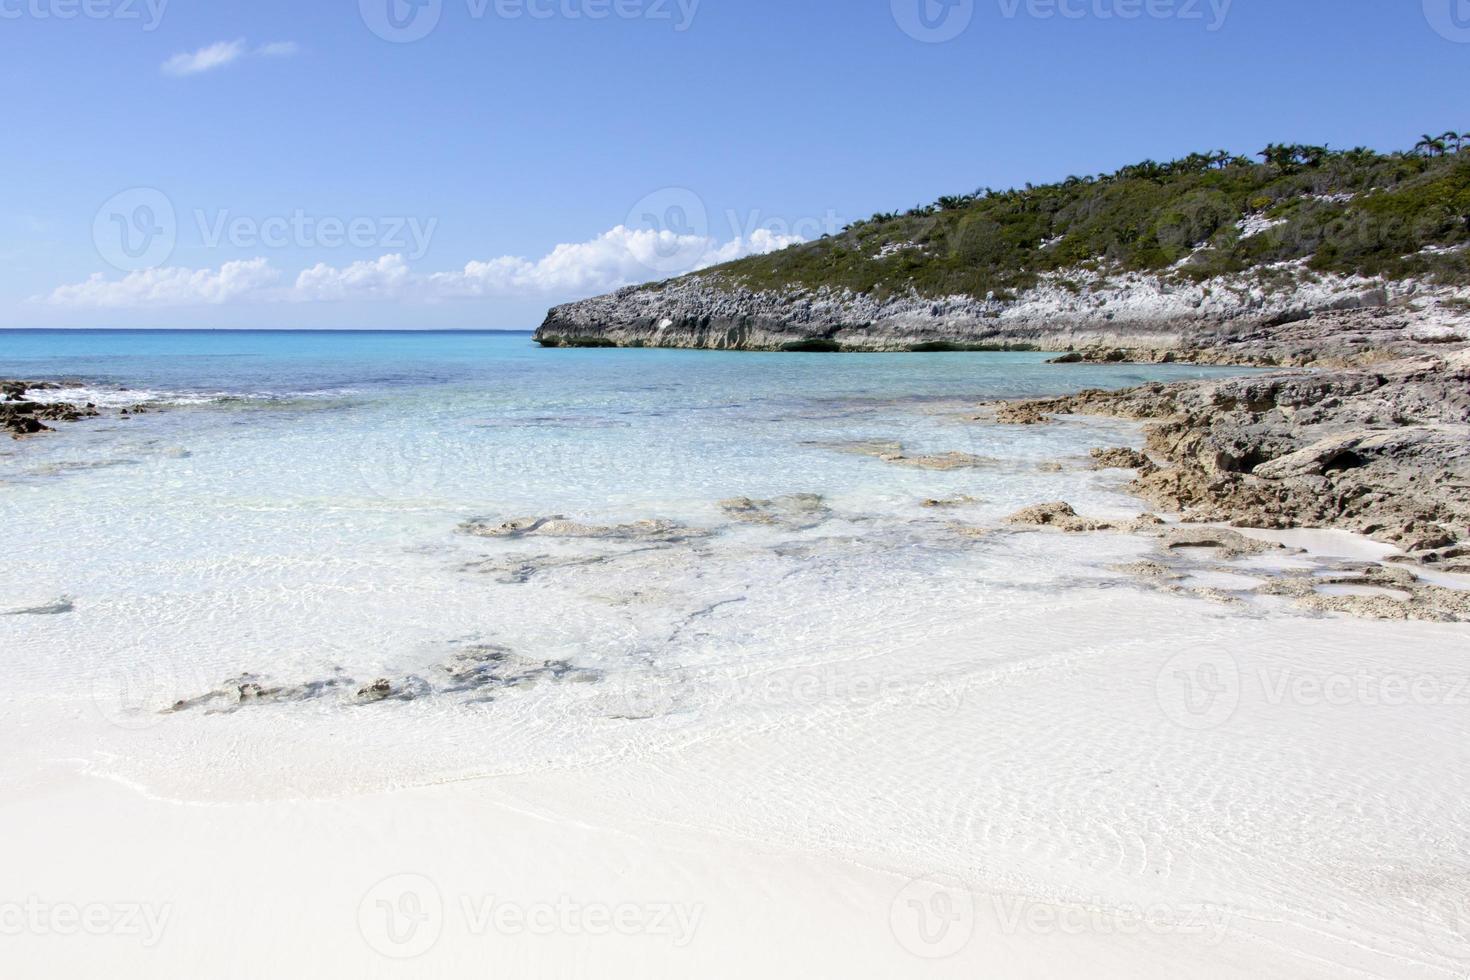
(526, 152)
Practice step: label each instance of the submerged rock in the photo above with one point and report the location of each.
(378, 690)
(561, 527)
(797, 511)
(520, 569)
(1364, 589)
(478, 669)
(59, 607)
(893, 452)
(947, 502)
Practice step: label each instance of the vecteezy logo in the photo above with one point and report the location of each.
(1448, 926)
(933, 21)
(1449, 18)
(679, 223)
(401, 917)
(401, 21)
(136, 229)
(1199, 691)
(641, 696)
(134, 694)
(410, 466)
(933, 918)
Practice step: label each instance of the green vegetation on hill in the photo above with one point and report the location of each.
(1353, 211)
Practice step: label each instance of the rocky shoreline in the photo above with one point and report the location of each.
(23, 417)
(1368, 431)
(1150, 316)
(1366, 428)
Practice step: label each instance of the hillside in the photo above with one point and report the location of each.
(1137, 258)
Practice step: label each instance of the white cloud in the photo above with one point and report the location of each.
(205, 59)
(619, 257)
(386, 278)
(171, 287)
(223, 53)
(278, 49)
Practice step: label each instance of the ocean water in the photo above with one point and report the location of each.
(292, 510)
(850, 672)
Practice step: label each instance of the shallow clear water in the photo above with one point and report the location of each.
(292, 510)
(862, 675)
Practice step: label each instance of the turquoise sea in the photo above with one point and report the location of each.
(292, 509)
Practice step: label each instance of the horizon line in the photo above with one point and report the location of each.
(465, 330)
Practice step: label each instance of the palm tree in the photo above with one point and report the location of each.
(1276, 155)
(1451, 137)
(1432, 146)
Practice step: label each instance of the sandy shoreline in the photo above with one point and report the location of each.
(517, 873)
(461, 879)
(1108, 783)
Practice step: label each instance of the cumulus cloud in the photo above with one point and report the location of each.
(616, 258)
(386, 278)
(205, 59)
(620, 257)
(171, 287)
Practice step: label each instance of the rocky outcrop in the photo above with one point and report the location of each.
(1226, 566)
(1383, 450)
(1060, 516)
(1332, 339)
(1120, 459)
(21, 417)
(1076, 310)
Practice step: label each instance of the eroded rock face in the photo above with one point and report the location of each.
(1021, 413)
(1058, 515)
(1120, 459)
(1327, 338)
(1122, 315)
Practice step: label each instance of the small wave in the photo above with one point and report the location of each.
(104, 396)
